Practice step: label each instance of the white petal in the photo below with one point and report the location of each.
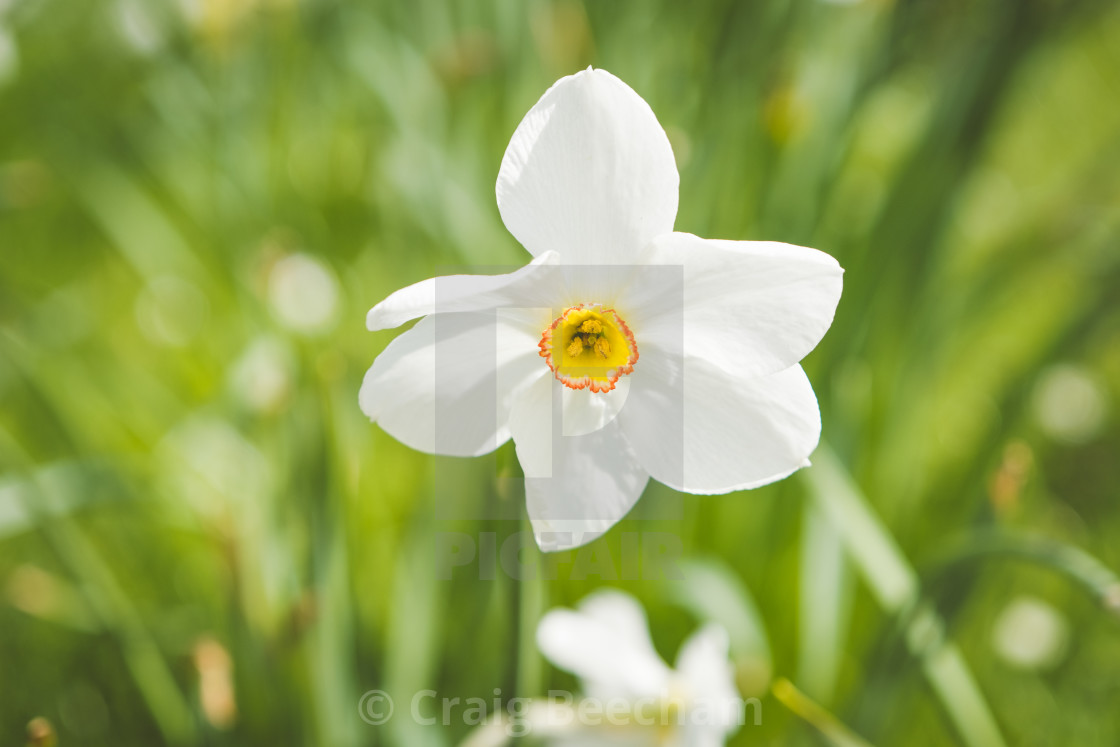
(576, 487)
(623, 614)
(530, 423)
(606, 644)
(750, 307)
(589, 173)
(446, 386)
(530, 286)
(581, 412)
(703, 657)
(709, 678)
(598, 736)
(585, 411)
(700, 430)
(701, 734)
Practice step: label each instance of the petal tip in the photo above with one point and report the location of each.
(373, 323)
(553, 539)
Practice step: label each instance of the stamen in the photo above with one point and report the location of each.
(598, 348)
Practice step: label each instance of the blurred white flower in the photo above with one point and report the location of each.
(9, 56)
(1069, 403)
(717, 401)
(606, 643)
(261, 378)
(139, 25)
(303, 293)
(207, 462)
(1030, 634)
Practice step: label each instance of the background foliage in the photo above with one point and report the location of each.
(203, 541)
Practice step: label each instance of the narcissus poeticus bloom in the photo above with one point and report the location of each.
(606, 643)
(624, 350)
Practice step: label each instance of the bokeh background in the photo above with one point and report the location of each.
(203, 541)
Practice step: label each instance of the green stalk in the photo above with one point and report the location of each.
(109, 601)
(830, 727)
(894, 584)
(142, 656)
(531, 604)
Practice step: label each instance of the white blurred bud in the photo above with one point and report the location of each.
(261, 378)
(209, 464)
(1030, 634)
(191, 10)
(138, 26)
(9, 56)
(303, 293)
(1069, 403)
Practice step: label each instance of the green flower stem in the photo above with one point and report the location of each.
(830, 727)
(531, 604)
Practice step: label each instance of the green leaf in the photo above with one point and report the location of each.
(894, 583)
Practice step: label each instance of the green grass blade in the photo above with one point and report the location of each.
(894, 583)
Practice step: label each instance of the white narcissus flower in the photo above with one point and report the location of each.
(606, 644)
(624, 350)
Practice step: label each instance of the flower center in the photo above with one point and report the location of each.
(589, 347)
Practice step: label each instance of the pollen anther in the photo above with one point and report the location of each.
(589, 347)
